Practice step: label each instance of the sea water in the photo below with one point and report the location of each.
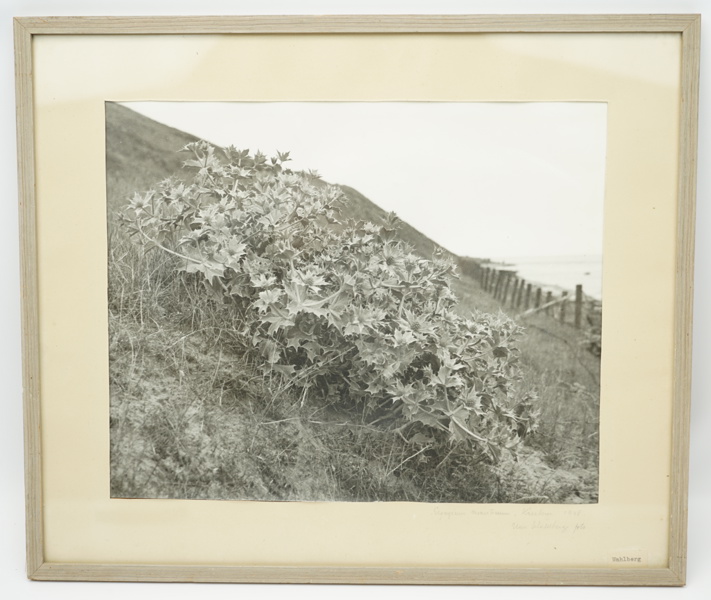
(558, 272)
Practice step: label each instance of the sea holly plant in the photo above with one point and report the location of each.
(339, 308)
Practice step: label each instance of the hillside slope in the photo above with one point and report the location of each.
(141, 152)
(193, 417)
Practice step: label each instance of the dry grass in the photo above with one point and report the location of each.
(562, 459)
(191, 417)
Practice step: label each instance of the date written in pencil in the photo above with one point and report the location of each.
(556, 526)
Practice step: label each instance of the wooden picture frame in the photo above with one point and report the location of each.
(42, 552)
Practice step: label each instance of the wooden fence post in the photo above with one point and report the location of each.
(505, 293)
(563, 304)
(528, 296)
(578, 305)
(498, 283)
(519, 293)
(514, 291)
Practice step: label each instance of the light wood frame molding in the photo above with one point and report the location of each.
(688, 26)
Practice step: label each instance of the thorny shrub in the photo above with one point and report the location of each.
(338, 307)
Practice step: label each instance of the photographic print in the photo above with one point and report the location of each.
(373, 301)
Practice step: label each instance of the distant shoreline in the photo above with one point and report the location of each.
(557, 274)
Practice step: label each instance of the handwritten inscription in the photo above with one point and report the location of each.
(533, 518)
(552, 525)
(458, 512)
(542, 520)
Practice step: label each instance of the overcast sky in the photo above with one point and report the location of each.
(505, 179)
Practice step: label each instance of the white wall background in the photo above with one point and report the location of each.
(12, 543)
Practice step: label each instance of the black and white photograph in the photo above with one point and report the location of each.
(355, 301)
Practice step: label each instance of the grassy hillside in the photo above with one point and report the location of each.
(191, 417)
(141, 152)
(360, 207)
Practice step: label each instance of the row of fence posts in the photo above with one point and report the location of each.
(513, 291)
